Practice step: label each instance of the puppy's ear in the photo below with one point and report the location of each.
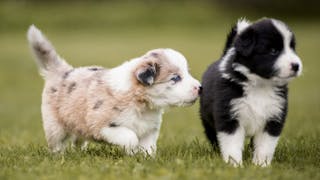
(245, 43)
(147, 73)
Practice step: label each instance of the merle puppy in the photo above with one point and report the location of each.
(121, 105)
(245, 93)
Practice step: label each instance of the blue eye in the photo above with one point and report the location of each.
(176, 78)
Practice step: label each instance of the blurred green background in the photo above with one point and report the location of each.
(109, 32)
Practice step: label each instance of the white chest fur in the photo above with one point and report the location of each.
(256, 107)
(141, 123)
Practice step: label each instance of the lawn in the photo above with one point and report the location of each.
(110, 33)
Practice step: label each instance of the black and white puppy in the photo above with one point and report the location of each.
(245, 92)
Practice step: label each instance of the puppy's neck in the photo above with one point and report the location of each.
(120, 78)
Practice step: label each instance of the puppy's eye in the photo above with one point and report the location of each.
(274, 52)
(176, 78)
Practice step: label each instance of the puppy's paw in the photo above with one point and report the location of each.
(262, 160)
(121, 136)
(144, 151)
(235, 162)
(150, 151)
(234, 159)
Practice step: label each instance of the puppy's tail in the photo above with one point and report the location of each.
(49, 62)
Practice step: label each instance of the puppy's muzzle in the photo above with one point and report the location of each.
(197, 90)
(295, 67)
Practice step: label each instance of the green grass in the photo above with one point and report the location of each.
(109, 34)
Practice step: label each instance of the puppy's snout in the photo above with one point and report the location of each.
(295, 67)
(200, 90)
(197, 89)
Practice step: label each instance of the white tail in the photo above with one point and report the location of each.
(46, 57)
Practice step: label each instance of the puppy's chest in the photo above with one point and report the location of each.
(141, 123)
(256, 107)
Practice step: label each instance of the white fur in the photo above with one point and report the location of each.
(231, 146)
(119, 77)
(259, 103)
(265, 146)
(141, 123)
(148, 143)
(122, 136)
(145, 127)
(242, 24)
(225, 59)
(163, 94)
(137, 129)
(54, 132)
(253, 110)
(48, 60)
(288, 56)
(175, 94)
(178, 59)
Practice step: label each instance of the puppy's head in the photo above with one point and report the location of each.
(267, 49)
(165, 78)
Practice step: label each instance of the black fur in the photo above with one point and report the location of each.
(113, 124)
(148, 75)
(97, 104)
(256, 48)
(53, 90)
(66, 74)
(117, 109)
(215, 100)
(72, 87)
(95, 68)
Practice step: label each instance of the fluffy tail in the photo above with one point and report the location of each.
(46, 57)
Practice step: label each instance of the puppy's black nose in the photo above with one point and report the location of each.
(200, 90)
(295, 67)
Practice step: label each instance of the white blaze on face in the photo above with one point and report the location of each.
(288, 56)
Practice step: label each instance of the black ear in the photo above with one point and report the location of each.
(147, 74)
(245, 43)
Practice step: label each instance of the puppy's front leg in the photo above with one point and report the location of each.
(121, 136)
(231, 146)
(148, 143)
(264, 145)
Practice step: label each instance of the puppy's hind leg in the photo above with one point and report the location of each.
(77, 142)
(210, 132)
(55, 135)
(121, 136)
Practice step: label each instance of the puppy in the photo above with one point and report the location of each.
(245, 92)
(121, 106)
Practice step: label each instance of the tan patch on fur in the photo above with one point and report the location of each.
(83, 103)
(76, 110)
(162, 65)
